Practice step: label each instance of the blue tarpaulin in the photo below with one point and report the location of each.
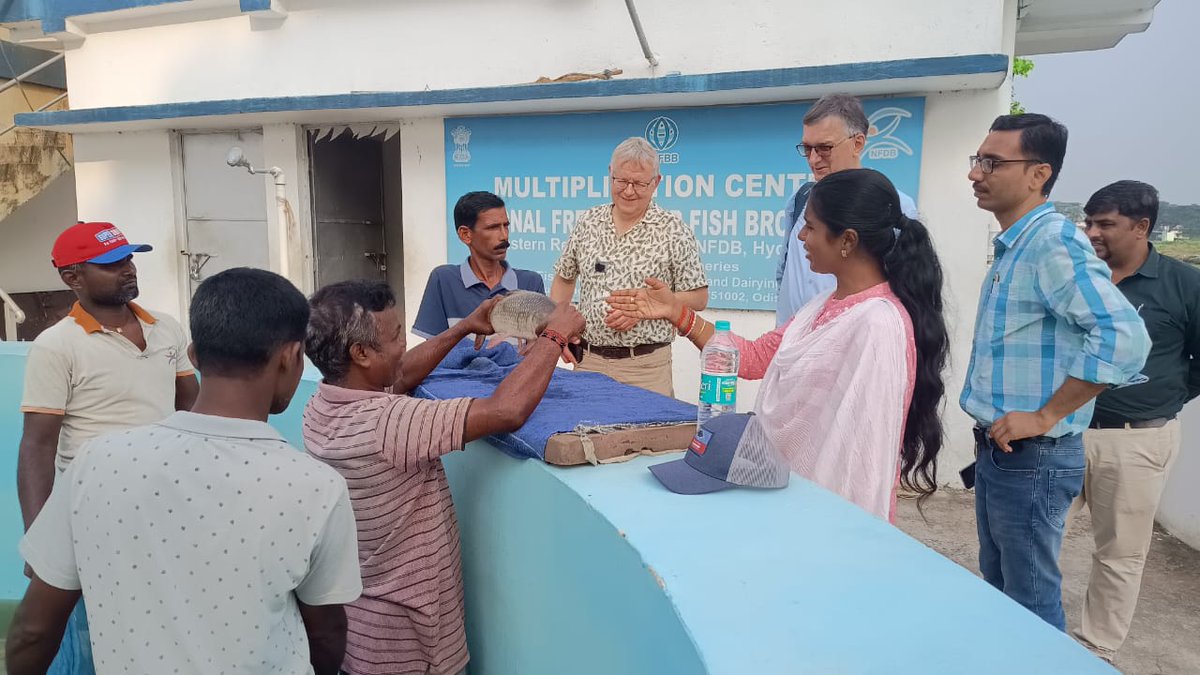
(572, 400)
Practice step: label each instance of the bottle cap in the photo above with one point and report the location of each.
(722, 325)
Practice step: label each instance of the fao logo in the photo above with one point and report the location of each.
(662, 133)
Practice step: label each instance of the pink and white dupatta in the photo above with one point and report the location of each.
(835, 397)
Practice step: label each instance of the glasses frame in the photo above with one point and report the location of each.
(822, 150)
(988, 164)
(622, 183)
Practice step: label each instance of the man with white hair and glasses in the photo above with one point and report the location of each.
(619, 245)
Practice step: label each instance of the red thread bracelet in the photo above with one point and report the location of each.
(691, 325)
(682, 318)
(555, 337)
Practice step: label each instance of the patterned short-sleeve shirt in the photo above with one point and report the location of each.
(194, 540)
(601, 261)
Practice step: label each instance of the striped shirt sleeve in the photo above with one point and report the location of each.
(413, 432)
(1077, 287)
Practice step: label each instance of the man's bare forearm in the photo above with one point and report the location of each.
(420, 361)
(1071, 396)
(516, 397)
(562, 290)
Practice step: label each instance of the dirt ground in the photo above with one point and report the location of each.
(1165, 637)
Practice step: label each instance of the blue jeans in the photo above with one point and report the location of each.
(75, 652)
(1021, 503)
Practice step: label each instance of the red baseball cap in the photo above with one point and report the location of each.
(99, 243)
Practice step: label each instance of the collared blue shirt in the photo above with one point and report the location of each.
(798, 284)
(1048, 311)
(453, 292)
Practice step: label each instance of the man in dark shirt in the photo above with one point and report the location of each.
(454, 291)
(1134, 436)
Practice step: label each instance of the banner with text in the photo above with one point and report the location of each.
(728, 172)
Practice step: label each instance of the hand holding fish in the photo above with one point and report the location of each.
(568, 322)
(655, 301)
(524, 315)
(479, 322)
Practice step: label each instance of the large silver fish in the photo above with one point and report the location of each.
(522, 314)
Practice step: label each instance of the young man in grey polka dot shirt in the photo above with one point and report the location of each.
(204, 543)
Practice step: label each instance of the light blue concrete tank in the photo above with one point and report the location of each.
(598, 570)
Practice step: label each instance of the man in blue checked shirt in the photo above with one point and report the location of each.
(1052, 333)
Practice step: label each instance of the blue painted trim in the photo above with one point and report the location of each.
(13, 11)
(24, 58)
(54, 13)
(672, 84)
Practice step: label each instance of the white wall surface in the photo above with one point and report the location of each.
(28, 235)
(423, 185)
(126, 178)
(1179, 511)
(284, 146)
(382, 45)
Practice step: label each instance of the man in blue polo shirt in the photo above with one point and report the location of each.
(454, 291)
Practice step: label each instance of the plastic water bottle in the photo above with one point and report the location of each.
(718, 375)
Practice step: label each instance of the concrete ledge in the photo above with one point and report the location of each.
(599, 570)
(973, 71)
(574, 569)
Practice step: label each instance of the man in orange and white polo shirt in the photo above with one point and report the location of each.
(108, 366)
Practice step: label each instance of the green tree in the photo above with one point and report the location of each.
(1021, 67)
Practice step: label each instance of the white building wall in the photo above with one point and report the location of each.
(126, 178)
(28, 235)
(336, 48)
(284, 146)
(1179, 511)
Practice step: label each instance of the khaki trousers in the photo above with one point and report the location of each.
(1126, 472)
(649, 371)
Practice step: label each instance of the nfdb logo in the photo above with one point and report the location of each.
(662, 133)
(881, 127)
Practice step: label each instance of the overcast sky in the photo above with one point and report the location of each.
(1133, 111)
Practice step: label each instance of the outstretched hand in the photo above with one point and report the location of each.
(655, 301)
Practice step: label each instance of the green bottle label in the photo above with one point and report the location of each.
(718, 389)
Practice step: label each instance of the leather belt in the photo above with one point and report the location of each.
(626, 352)
(1156, 423)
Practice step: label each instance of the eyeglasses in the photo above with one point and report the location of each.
(823, 150)
(989, 164)
(638, 186)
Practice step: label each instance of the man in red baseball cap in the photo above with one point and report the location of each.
(96, 243)
(108, 366)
